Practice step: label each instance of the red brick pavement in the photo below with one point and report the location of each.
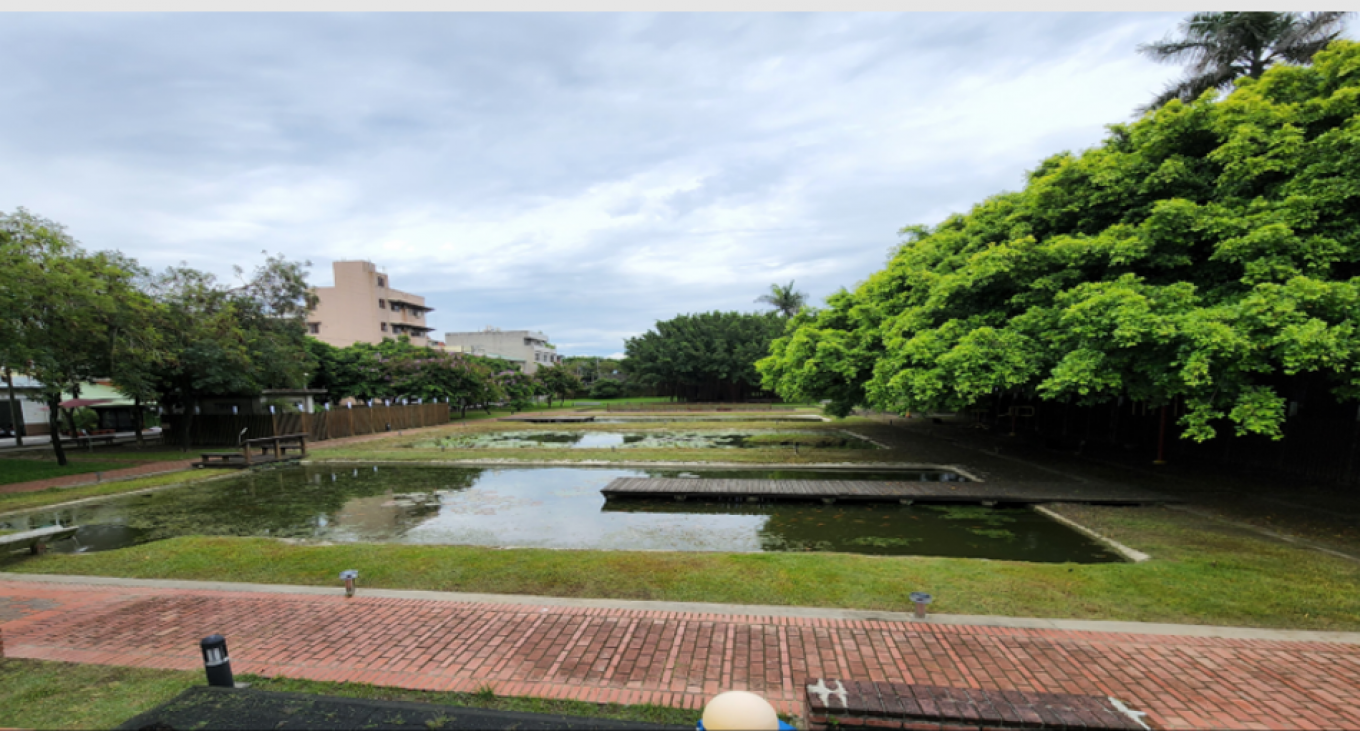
(672, 658)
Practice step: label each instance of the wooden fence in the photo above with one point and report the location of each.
(334, 424)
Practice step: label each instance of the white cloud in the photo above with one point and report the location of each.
(585, 175)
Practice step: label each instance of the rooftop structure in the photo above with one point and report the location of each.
(530, 346)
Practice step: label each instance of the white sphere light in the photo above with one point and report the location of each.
(738, 710)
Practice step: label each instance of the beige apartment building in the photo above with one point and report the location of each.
(363, 307)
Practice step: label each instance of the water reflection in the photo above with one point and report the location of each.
(653, 440)
(552, 508)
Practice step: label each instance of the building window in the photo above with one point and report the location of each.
(314, 327)
(382, 281)
(383, 326)
(382, 304)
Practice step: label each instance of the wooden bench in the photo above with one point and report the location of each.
(88, 439)
(833, 703)
(271, 449)
(220, 457)
(36, 540)
(280, 445)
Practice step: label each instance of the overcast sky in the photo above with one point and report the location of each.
(581, 174)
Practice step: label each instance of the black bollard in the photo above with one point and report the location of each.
(216, 662)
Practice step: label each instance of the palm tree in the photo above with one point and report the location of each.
(1220, 48)
(784, 299)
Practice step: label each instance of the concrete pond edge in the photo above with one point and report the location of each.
(1131, 554)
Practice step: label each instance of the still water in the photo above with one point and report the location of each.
(653, 440)
(554, 508)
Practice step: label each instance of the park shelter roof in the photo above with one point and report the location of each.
(108, 395)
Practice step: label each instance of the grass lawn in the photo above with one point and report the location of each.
(1203, 572)
(58, 695)
(158, 453)
(24, 469)
(13, 501)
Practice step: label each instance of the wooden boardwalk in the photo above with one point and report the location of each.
(894, 491)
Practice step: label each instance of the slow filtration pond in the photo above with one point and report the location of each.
(557, 508)
(668, 439)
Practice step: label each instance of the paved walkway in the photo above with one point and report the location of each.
(611, 653)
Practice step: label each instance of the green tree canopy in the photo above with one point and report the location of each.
(1204, 253)
(591, 368)
(708, 356)
(518, 388)
(558, 382)
(395, 368)
(223, 340)
(1221, 47)
(67, 313)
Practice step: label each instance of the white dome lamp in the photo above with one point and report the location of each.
(740, 710)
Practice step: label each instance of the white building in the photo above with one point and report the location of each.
(530, 346)
(32, 409)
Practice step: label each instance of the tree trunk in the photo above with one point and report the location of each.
(187, 404)
(139, 421)
(16, 412)
(54, 425)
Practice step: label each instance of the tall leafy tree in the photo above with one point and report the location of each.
(709, 356)
(559, 382)
(64, 309)
(784, 299)
(222, 340)
(398, 369)
(138, 347)
(456, 378)
(518, 388)
(1219, 48)
(1208, 253)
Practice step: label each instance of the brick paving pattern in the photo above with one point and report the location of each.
(678, 659)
